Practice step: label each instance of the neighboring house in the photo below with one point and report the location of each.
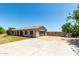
(32, 31)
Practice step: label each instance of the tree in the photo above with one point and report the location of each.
(72, 27)
(2, 30)
(74, 15)
(67, 27)
(9, 30)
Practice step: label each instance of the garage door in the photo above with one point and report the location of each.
(42, 33)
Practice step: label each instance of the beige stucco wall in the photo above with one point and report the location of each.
(45, 33)
(19, 33)
(34, 33)
(23, 33)
(37, 33)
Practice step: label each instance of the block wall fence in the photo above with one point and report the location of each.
(62, 34)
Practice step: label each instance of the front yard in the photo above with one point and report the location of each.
(42, 46)
(8, 38)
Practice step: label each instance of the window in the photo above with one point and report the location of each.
(26, 32)
(31, 32)
(21, 33)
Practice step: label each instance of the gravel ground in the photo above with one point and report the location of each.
(74, 44)
(42, 46)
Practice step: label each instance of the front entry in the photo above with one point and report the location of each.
(31, 33)
(21, 33)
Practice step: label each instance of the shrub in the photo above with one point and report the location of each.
(2, 30)
(9, 30)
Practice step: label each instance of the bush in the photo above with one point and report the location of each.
(9, 30)
(75, 34)
(2, 30)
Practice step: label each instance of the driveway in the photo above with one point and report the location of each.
(42, 46)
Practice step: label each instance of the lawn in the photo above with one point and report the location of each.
(8, 38)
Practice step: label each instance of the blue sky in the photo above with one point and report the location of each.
(52, 16)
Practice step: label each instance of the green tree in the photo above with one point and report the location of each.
(72, 27)
(67, 27)
(2, 30)
(9, 30)
(74, 16)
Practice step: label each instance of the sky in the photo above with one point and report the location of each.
(50, 15)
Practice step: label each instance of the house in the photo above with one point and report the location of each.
(31, 31)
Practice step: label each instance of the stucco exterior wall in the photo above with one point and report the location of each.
(35, 32)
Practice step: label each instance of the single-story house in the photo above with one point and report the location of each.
(31, 31)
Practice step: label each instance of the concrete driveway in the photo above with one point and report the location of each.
(42, 46)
